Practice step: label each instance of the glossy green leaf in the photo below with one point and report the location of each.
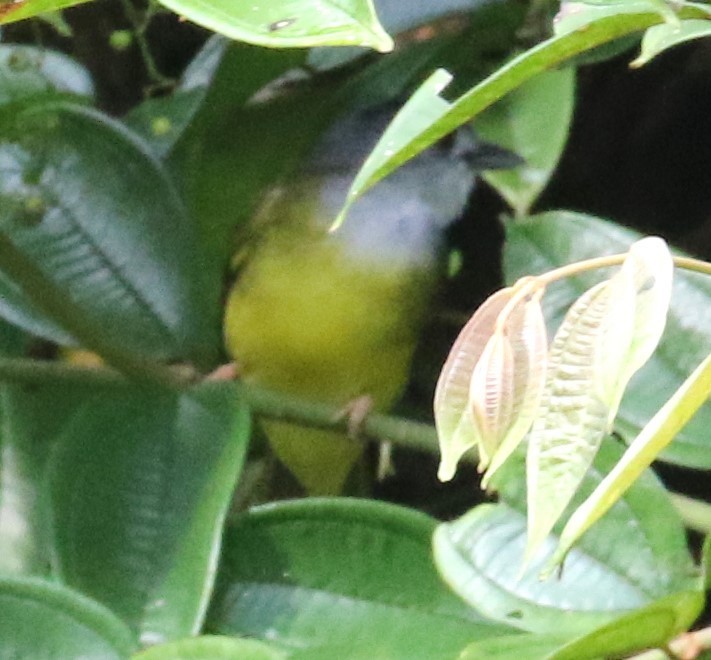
(325, 576)
(30, 72)
(625, 561)
(574, 15)
(19, 10)
(427, 117)
(543, 242)
(31, 419)
(289, 23)
(533, 122)
(212, 647)
(140, 485)
(44, 620)
(396, 17)
(521, 647)
(662, 37)
(84, 201)
(649, 627)
(643, 450)
(652, 626)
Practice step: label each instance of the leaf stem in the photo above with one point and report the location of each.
(569, 270)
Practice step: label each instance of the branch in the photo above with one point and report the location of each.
(269, 404)
(263, 402)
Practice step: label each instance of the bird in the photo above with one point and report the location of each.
(335, 316)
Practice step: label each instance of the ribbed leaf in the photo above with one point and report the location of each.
(140, 484)
(526, 329)
(455, 425)
(660, 431)
(543, 242)
(26, 71)
(490, 394)
(572, 419)
(606, 337)
(99, 216)
(40, 619)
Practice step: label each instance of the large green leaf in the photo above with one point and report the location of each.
(19, 10)
(31, 419)
(43, 620)
(289, 23)
(140, 484)
(340, 578)
(27, 71)
(212, 647)
(624, 562)
(84, 201)
(533, 121)
(543, 242)
(651, 626)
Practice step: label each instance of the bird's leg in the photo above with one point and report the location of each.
(229, 371)
(356, 412)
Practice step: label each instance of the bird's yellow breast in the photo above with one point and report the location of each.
(305, 319)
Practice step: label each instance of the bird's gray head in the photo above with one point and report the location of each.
(402, 218)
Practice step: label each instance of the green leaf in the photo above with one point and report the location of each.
(625, 561)
(533, 121)
(140, 484)
(660, 431)
(606, 336)
(575, 16)
(427, 117)
(30, 72)
(289, 23)
(211, 647)
(572, 417)
(546, 241)
(22, 9)
(662, 37)
(43, 620)
(396, 17)
(652, 626)
(84, 201)
(521, 647)
(31, 419)
(340, 578)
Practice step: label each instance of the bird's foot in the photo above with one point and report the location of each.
(229, 371)
(356, 412)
